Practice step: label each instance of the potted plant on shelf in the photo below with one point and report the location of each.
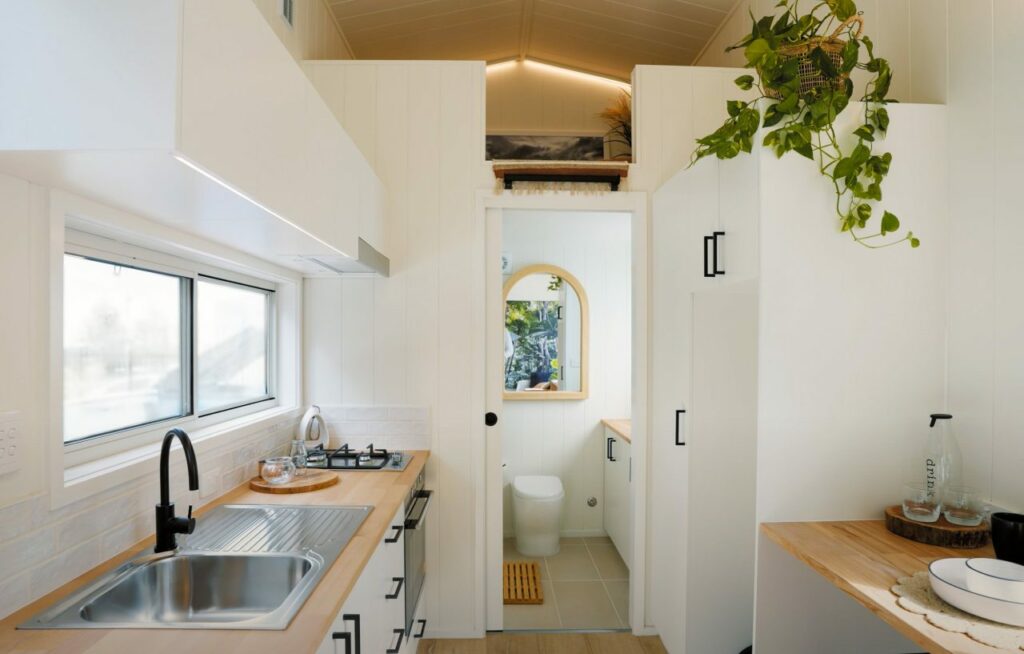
(803, 64)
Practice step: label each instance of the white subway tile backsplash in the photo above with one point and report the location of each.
(390, 427)
(62, 569)
(14, 594)
(23, 553)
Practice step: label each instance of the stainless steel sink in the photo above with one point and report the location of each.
(246, 567)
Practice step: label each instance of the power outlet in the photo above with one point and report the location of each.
(12, 434)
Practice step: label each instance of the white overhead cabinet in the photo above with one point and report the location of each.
(189, 112)
(781, 354)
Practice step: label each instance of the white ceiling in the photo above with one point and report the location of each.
(608, 37)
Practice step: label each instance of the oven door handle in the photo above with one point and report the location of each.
(418, 511)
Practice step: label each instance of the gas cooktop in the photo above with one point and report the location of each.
(345, 458)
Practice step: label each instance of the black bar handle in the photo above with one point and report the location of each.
(708, 272)
(714, 267)
(423, 628)
(679, 415)
(398, 647)
(354, 618)
(398, 534)
(611, 452)
(345, 636)
(398, 588)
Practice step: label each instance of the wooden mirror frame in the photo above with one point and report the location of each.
(582, 394)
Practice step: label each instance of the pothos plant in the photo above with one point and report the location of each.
(803, 63)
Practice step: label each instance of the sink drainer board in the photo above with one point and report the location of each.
(522, 583)
(246, 566)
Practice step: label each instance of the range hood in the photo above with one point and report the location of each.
(369, 261)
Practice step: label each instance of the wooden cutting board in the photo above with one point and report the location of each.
(313, 480)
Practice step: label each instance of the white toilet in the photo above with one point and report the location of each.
(537, 508)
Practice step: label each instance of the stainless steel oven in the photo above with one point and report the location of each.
(415, 547)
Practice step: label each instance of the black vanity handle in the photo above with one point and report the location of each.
(423, 628)
(398, 646)
(398, 588)
(679, 416)
(398, 534)
(712, 270)
(354, 619)
(610, 453)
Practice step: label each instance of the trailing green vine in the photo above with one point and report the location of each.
(802, 120)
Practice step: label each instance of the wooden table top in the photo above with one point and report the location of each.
(621, 426)
(864, 560)
(385, 491)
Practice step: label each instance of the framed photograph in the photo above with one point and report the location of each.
(545, 148)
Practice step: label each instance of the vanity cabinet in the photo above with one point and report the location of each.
(618, 514)
(372, 620)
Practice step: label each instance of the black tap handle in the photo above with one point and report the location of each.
(191, 521)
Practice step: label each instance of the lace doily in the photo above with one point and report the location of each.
(915, 595)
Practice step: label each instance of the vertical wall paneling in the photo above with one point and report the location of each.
(315, 35)
(416, 338)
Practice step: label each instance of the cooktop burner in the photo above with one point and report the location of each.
(345, 458)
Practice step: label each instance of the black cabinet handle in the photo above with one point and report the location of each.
(398, 588)
(397, 647)
(345, 636)
(610, 453)
(398, 534)
(354, 619)
(712, 270)
(423, 628)
(679, 416)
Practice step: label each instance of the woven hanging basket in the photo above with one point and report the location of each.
(810, 77)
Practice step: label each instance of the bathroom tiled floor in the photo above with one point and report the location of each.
(586, 586)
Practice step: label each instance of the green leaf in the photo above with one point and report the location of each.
(842, 9)
(823, 63)
(881, 116)
(805, 150)
(890, 223)
(734, 107)
(772, 116)
(865, 132)
(756, 51)
(870, 45)
(915, 242)
(745, 82)
(851, 54)
(846, 167)
(864, 212)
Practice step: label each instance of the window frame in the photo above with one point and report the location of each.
(112, 443)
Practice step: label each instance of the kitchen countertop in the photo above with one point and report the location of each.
(385, 491)
(864, 560)
(621, 426)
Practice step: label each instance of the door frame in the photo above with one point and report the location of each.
(490, 206)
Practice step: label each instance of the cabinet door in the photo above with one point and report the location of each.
(392, 582)
(616, 492)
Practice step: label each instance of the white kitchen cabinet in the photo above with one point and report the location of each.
(374, 612)
(618, 503)
(157, 117)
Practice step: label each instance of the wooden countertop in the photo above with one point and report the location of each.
(385, 491)
(864, 560)
(621, 426)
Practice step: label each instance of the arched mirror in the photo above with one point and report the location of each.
(546, 335)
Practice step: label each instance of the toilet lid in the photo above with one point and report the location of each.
(537, 487)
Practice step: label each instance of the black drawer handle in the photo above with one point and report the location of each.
(423, 628)
(354, 619)
(398, 534)
(345, 636)
(713, 270)
(400, 633)
(398, 588)
(610, 453)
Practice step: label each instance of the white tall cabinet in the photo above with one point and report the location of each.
(763, 378)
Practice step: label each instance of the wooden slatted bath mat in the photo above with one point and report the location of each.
(522, 583)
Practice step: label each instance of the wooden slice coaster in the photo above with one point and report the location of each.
(942, 532)
(311, 481)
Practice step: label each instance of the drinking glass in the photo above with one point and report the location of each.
(299, 455)
(920, 502)
(961, 506)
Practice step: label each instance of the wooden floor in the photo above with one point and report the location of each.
(547, 644)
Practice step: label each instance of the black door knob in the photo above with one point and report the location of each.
(490, 419)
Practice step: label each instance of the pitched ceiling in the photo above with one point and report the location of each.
(608, 37)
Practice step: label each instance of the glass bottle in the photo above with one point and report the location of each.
(937, 467)
(299, 455)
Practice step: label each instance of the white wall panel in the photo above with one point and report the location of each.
(314, 35)
(416, 338)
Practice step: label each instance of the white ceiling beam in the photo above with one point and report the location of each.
(526, 29)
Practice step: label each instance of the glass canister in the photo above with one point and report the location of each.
(278, 470)
(299, 456)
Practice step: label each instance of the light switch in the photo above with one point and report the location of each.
(11, 441)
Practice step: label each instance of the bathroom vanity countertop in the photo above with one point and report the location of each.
(864, 560)
(621, 426)
(385, 491)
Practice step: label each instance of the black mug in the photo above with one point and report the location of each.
(1008, 536)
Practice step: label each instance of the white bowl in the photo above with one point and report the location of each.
(995, 578)
(949, 581)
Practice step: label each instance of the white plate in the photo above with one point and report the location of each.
(949, 581)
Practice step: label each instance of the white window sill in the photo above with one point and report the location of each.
(96, 476)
